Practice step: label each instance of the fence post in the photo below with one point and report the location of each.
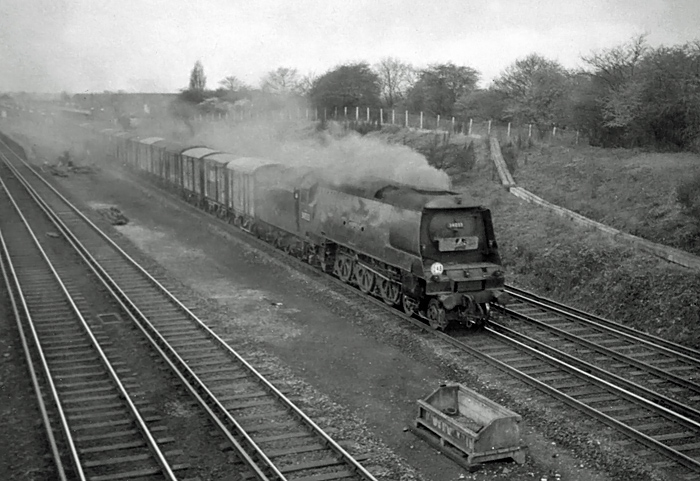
(357, 114)
(453, 125)
(346, 112)
(470, 126)
(437, 127)
(508, 130)
(367, 114)
(554, 131)
(421, 120)
(489, 131)
(407, 119)
(393, 116)
(529, 131)
(381, 116)
(577, 137)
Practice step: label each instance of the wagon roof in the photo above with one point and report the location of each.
(173, 146)
(198, 152)
(248, 165)
(123, 134)
(222, 158)
(150, 140)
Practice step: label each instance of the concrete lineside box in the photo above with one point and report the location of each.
(469, 427)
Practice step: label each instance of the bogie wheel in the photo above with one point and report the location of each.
(483, 315)
(409, 305)
(365, 279)
(343, 268)
(436, 315)
(391, 292)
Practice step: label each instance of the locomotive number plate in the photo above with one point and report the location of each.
(449, 244)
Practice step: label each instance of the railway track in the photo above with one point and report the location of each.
(650, 403)
(671, 370)
(274, 438)
(96, 427)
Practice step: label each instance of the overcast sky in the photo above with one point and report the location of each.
(151, 45)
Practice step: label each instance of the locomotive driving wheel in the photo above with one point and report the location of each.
(364, 278)
(436, 315)
(409, 305)
(390, 291)
(343, 268)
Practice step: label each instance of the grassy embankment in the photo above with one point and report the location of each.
(634, 191)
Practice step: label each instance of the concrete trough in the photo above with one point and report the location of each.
(468, 427)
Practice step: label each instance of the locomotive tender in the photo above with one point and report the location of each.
(432, 253)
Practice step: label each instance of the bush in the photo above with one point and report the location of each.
(438, 152)
(362, 127)
(391, 129)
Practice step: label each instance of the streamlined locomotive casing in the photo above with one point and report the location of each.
(365, 225)
(444, 245)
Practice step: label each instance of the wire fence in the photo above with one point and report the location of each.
(505, 132)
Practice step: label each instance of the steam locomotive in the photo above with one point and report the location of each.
(432, 253)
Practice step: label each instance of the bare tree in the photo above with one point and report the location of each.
(282, 81)
(233, 84)
(616, 65)
(306, 83)
(395, 78)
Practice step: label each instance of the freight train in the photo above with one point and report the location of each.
(432, 253)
